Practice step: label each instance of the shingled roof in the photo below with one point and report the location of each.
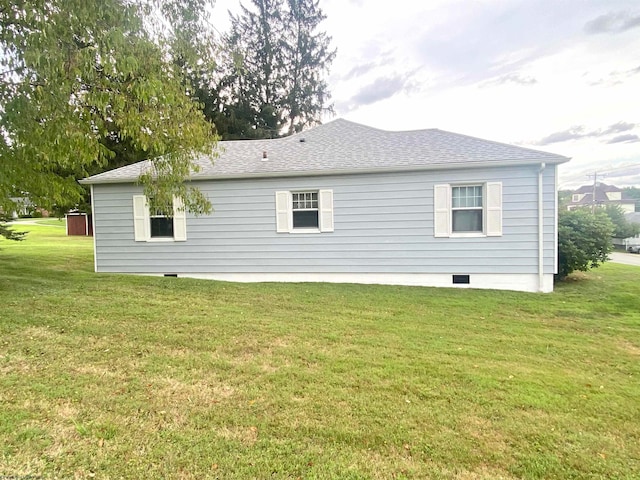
(342, 146)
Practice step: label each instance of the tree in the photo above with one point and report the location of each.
(7, 232)
(270, 82)
(634, 193)
(78, 77)
(584, 240)
(564, 198)
(622, 228)
(307, 56)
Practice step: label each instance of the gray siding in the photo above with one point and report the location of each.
(383, 224)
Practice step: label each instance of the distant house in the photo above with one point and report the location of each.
(344, 202)
(604, 195)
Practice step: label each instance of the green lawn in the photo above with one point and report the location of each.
(56, 222)
(109, 376)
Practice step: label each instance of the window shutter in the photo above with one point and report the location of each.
(140, 218)
(326, 210)
(441, 211)
(494, 209)
(179, 220)
(283, 212)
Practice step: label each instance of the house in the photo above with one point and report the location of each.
(604, 195)
(344, 202)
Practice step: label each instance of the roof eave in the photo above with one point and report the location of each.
(317, 173)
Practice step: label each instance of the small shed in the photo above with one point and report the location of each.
(79, 224)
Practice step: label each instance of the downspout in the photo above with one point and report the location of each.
(540, 230)
(93, 219)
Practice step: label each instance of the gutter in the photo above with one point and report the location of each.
(540, 229)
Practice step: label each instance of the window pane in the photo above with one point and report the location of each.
(305, 219)
(466, 197)
(304, 200)
(161, 227)
(467, 220)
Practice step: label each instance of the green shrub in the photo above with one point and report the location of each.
(622, 227)
(584, 240)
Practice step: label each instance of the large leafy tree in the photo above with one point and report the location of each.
(84, 80)
(270, 80)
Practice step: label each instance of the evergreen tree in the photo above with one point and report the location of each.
(271, 80)
(307, 56)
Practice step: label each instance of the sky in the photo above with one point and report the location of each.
(562, 76)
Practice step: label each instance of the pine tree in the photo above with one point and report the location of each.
(307, 57)
(271, 82)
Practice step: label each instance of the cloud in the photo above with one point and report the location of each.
(579, 131)
(360, 70)
(572, 133)
(486, 40)
(514, 78)
(613, 22)
(381, 89)
(615, 78)
(627, 138)
(619, 128)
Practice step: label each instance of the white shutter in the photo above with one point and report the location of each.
(179, 220)
(140, 218)
(283, 212)
(494, 209)
(441, 211)
(325, 206)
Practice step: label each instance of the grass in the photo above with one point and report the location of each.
(111, 376)
(56, 222)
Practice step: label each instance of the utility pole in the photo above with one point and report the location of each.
(593, 195)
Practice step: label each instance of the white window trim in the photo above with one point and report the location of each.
(491, 210)
(142, 221)
(483, 209)
(284, 212)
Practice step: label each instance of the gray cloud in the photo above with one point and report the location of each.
(490, 40)
(579, 131)
(619, 128)
(381, 89)
(572, 133)
(627, 138)
(360, 70)
(613, 22)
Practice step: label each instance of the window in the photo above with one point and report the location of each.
(156, 226)
(161, 225)
(305, 209)
(468, 210)
(309, 211)
(576, 197)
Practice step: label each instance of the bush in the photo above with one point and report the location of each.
(584, 241)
